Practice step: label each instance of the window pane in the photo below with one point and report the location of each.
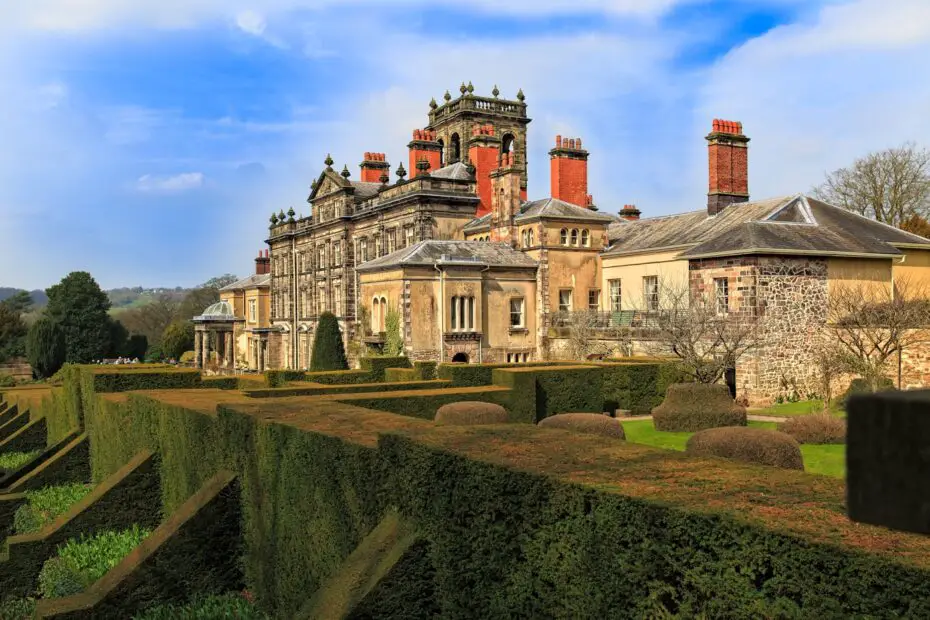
(594, 300)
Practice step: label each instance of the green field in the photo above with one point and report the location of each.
(829, 460)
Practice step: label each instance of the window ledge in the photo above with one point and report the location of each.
(519, 330)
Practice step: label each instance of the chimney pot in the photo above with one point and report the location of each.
(558, 142)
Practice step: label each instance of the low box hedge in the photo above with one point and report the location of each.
(220, 383)
(132, 380)
(392, 375)
(277, 378)
(377, 365)
(316, 390)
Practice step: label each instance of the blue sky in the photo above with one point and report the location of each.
(148, 142)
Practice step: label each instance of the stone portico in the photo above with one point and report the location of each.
(214, 339)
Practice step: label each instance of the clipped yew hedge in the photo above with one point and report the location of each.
(691, 407)
(593, 423)
(748, 444)
(471, 375)
(471, 413)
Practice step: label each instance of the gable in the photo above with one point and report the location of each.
(328, 182)
(797, 211)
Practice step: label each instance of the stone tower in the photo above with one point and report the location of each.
(453, 124)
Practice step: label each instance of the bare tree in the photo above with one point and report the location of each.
(583, 335)
(890, 185)
(707, 339)
(873, 324)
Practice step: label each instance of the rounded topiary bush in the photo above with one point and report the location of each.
(691, 407)
(815, 428)
(593, 423)
(751, 445)
(471, 412)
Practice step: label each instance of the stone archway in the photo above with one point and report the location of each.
(460, 358)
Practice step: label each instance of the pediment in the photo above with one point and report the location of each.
(328, 182)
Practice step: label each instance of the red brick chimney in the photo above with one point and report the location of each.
(568, 173)
(483, 151)
(728, 178)
(630, 213)
(505, 199)
(373, 166)
(262, 263)
(423, 147)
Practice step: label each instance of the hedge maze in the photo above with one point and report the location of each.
(336, 495)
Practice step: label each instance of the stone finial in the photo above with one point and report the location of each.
(520, 95)
(384, 178)
(401, 173)
(447, 96)
(313, 185)
(470, 88)
(463, 89)
(423, 166)
(273, 219)
(328, 161)
(281, 217)
(496, 91)
(432, 103)
(345, 172)
(291, 213)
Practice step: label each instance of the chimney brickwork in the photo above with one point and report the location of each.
(568, 173)
(484, 153)
(728, 166)
(424, 147)
(630, 213)
(262, 263)
(374, 166)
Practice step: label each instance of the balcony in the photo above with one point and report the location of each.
(462, 336)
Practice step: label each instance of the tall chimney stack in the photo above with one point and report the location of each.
(484, 149)
(423, 147)
(373, 166)
(262, 263)
(568, 171)
(728, 163)
(505, 199)
(630, 213)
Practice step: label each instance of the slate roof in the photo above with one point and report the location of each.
(364, 189)
(433, 252)
(559, 209)
(252, 281)
(546, 208)
(783, 225)
(456, 171)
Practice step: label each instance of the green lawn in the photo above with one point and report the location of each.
(829, 460)
(802, 407)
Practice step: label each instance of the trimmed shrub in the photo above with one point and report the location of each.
(233, 605)
(394, 375)
(220, 383)
(45, 505)
(81, 562)
(7, 380)
(277, 378)
(471, 412)
(748, 444)
(328, 349)
(45, 347)
(133, 379)
(10, 461)
(425, 370)
(593, 423)
(691, 407)
(338, 377)
(471, 375)
(187, 357)
(861, 386)
(375, 366)
(815, 428)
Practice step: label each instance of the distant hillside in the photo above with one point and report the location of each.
(39, 298)
(120, 298)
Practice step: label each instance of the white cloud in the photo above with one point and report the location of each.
(52, 95)
(815, 96)
(177, 183)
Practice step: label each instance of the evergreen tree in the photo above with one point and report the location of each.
(393, 340)
(328, 350)
(136, 346)
(80, 309)
(13, 328)
(45, 348)
(118, 337)
(178, 338)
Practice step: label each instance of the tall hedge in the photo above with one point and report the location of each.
(328, 349)
(45, 347)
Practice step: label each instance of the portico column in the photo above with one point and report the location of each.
(205, 350)
(198, 346)
(229, 349)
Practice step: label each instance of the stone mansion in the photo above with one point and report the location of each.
(477, 272)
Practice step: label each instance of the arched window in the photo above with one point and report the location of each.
(585, 238)
(563, 236)
(383, 316)
(530, 237)
(508, 144)
(442, 152)
(375, 315)
(456, 152)
(574, 236)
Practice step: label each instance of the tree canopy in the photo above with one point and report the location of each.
(79, 307)
(13, 328)
(890, 186)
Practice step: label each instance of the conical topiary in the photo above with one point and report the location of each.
(45, 348)
(328, 350)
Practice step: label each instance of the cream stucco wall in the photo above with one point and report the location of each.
(915, 270)
(859, 274)
(672, 273)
